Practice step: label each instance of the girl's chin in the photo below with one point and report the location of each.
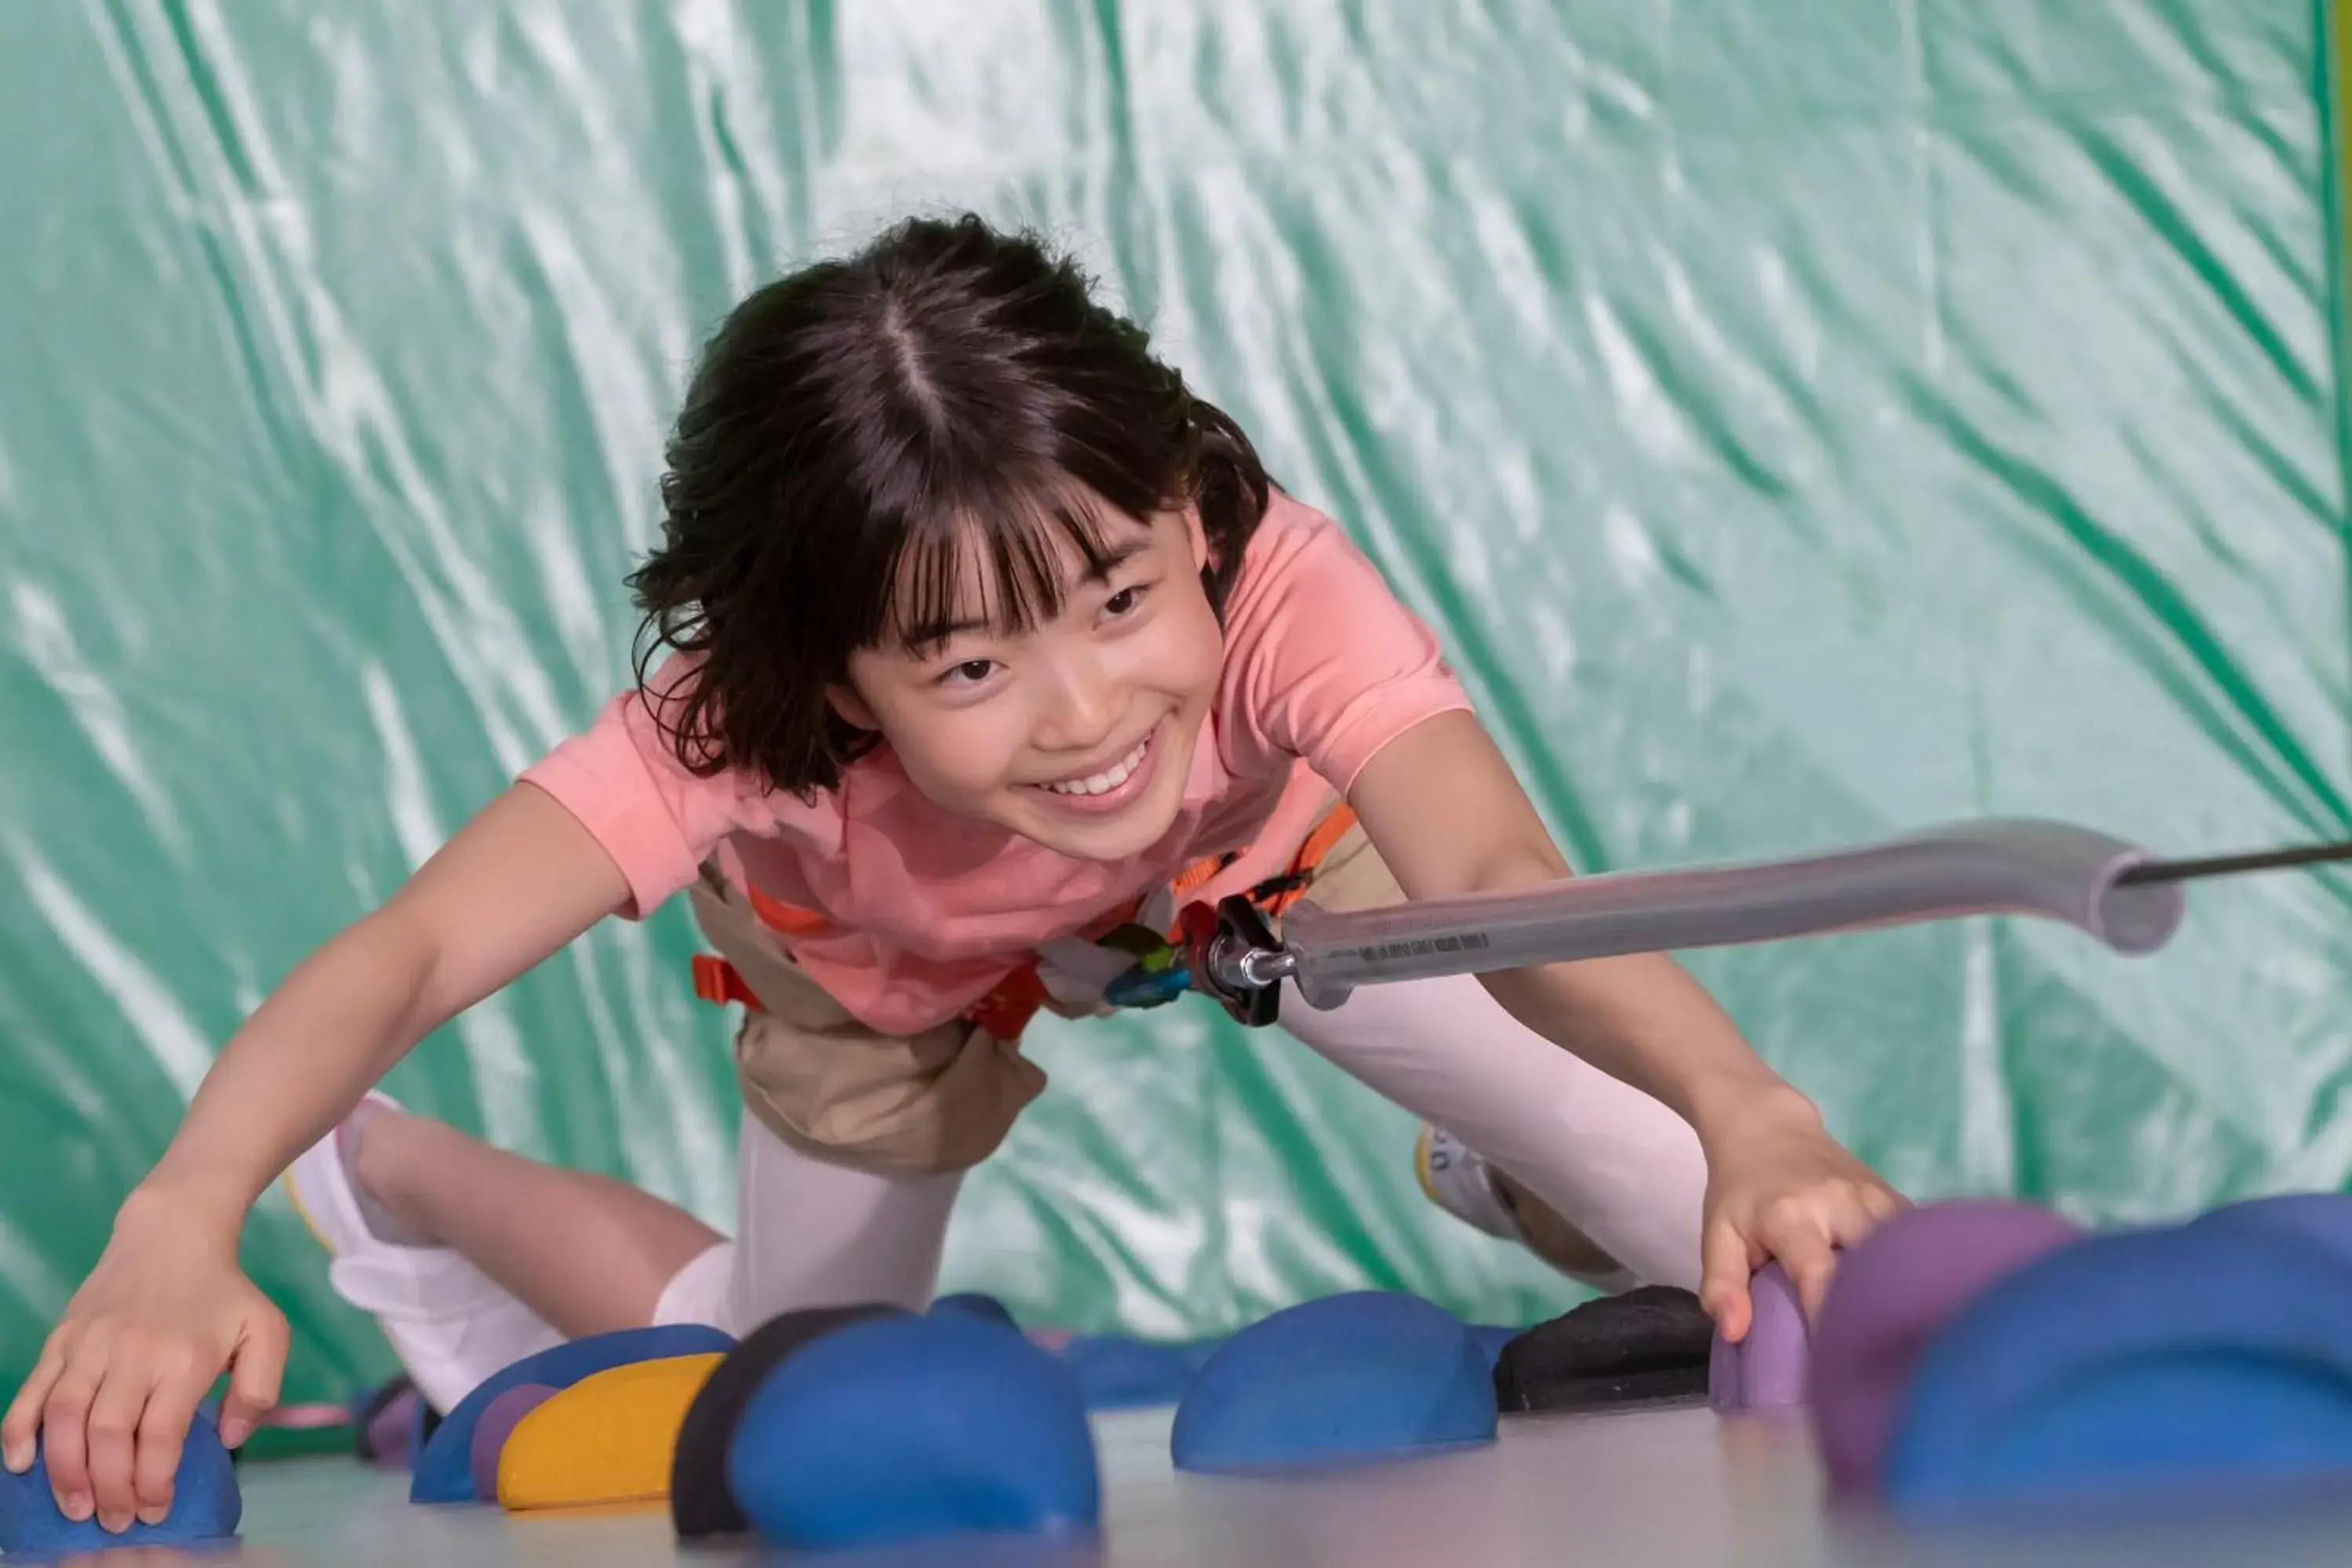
(1120, 836)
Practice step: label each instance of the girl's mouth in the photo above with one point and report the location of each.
(1111, 787)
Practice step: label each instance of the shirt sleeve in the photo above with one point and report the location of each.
(1333, 666)
(658, 820)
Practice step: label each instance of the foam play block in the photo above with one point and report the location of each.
(1493, 1339)
(701, 1501)
(390, 1425)
(2324, 1219)
(1766, 1369)
(609, 1439)
(1891, 1295)
(906, 1428)
(2164, 1366)
(1345, 1379)
(206, 1506)
(445, 1466)
(496, 1425)
(977, 1304)
(1649, 1343)
(1117, 1372)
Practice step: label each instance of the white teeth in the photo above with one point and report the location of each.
(1109, 779)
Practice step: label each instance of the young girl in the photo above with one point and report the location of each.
(984, 646)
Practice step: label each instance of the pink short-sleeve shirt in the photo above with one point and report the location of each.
(920, 913)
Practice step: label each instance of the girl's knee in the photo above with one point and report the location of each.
(702, 1291)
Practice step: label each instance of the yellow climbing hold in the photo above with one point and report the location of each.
(607, 1439)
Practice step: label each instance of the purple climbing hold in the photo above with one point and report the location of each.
(386, 1425)
(1766, 1370)
(499, 1419)
(390, 1423)
(1890, 1297)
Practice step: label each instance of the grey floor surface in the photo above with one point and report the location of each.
(1659, 1488)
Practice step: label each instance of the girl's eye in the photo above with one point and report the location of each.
(1122, 602)
(971, 672)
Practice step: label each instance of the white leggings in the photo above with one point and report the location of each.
(810, 1233)
(1616, 1163)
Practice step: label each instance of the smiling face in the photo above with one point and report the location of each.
(1058, 692)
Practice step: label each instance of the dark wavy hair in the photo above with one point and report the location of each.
(853, 428)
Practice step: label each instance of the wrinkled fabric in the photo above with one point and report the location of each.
(1801, 422)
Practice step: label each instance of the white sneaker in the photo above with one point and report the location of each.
(1457, 1179)
(451, 1326)
(1454, 1178)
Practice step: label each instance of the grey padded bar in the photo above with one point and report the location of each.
(2048, 869)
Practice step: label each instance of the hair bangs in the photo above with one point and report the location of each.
(999, 565)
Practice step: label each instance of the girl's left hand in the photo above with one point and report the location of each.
(1778, 1186)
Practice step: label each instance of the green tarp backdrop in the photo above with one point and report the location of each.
(1804, 422)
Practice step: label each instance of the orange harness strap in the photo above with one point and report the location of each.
(784, 919)
(717, 981)
(1310, 857)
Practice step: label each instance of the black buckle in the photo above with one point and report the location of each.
(1234, 927)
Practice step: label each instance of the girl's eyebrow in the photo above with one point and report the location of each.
(1112, 559)
(931, 636)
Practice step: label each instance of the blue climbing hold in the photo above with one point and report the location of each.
(205, 1506)
(1196, 1352)
(2324, 1219)
(1370, 1374)
(1491, 1338)
(1116, 1372)
(898, 1429)
(443, 1471)
(2172, 1363)
(977, 1305)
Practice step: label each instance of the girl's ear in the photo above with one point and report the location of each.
(852, 708)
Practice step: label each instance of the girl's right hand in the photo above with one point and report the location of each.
(165, 1311)
(166, 1308)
